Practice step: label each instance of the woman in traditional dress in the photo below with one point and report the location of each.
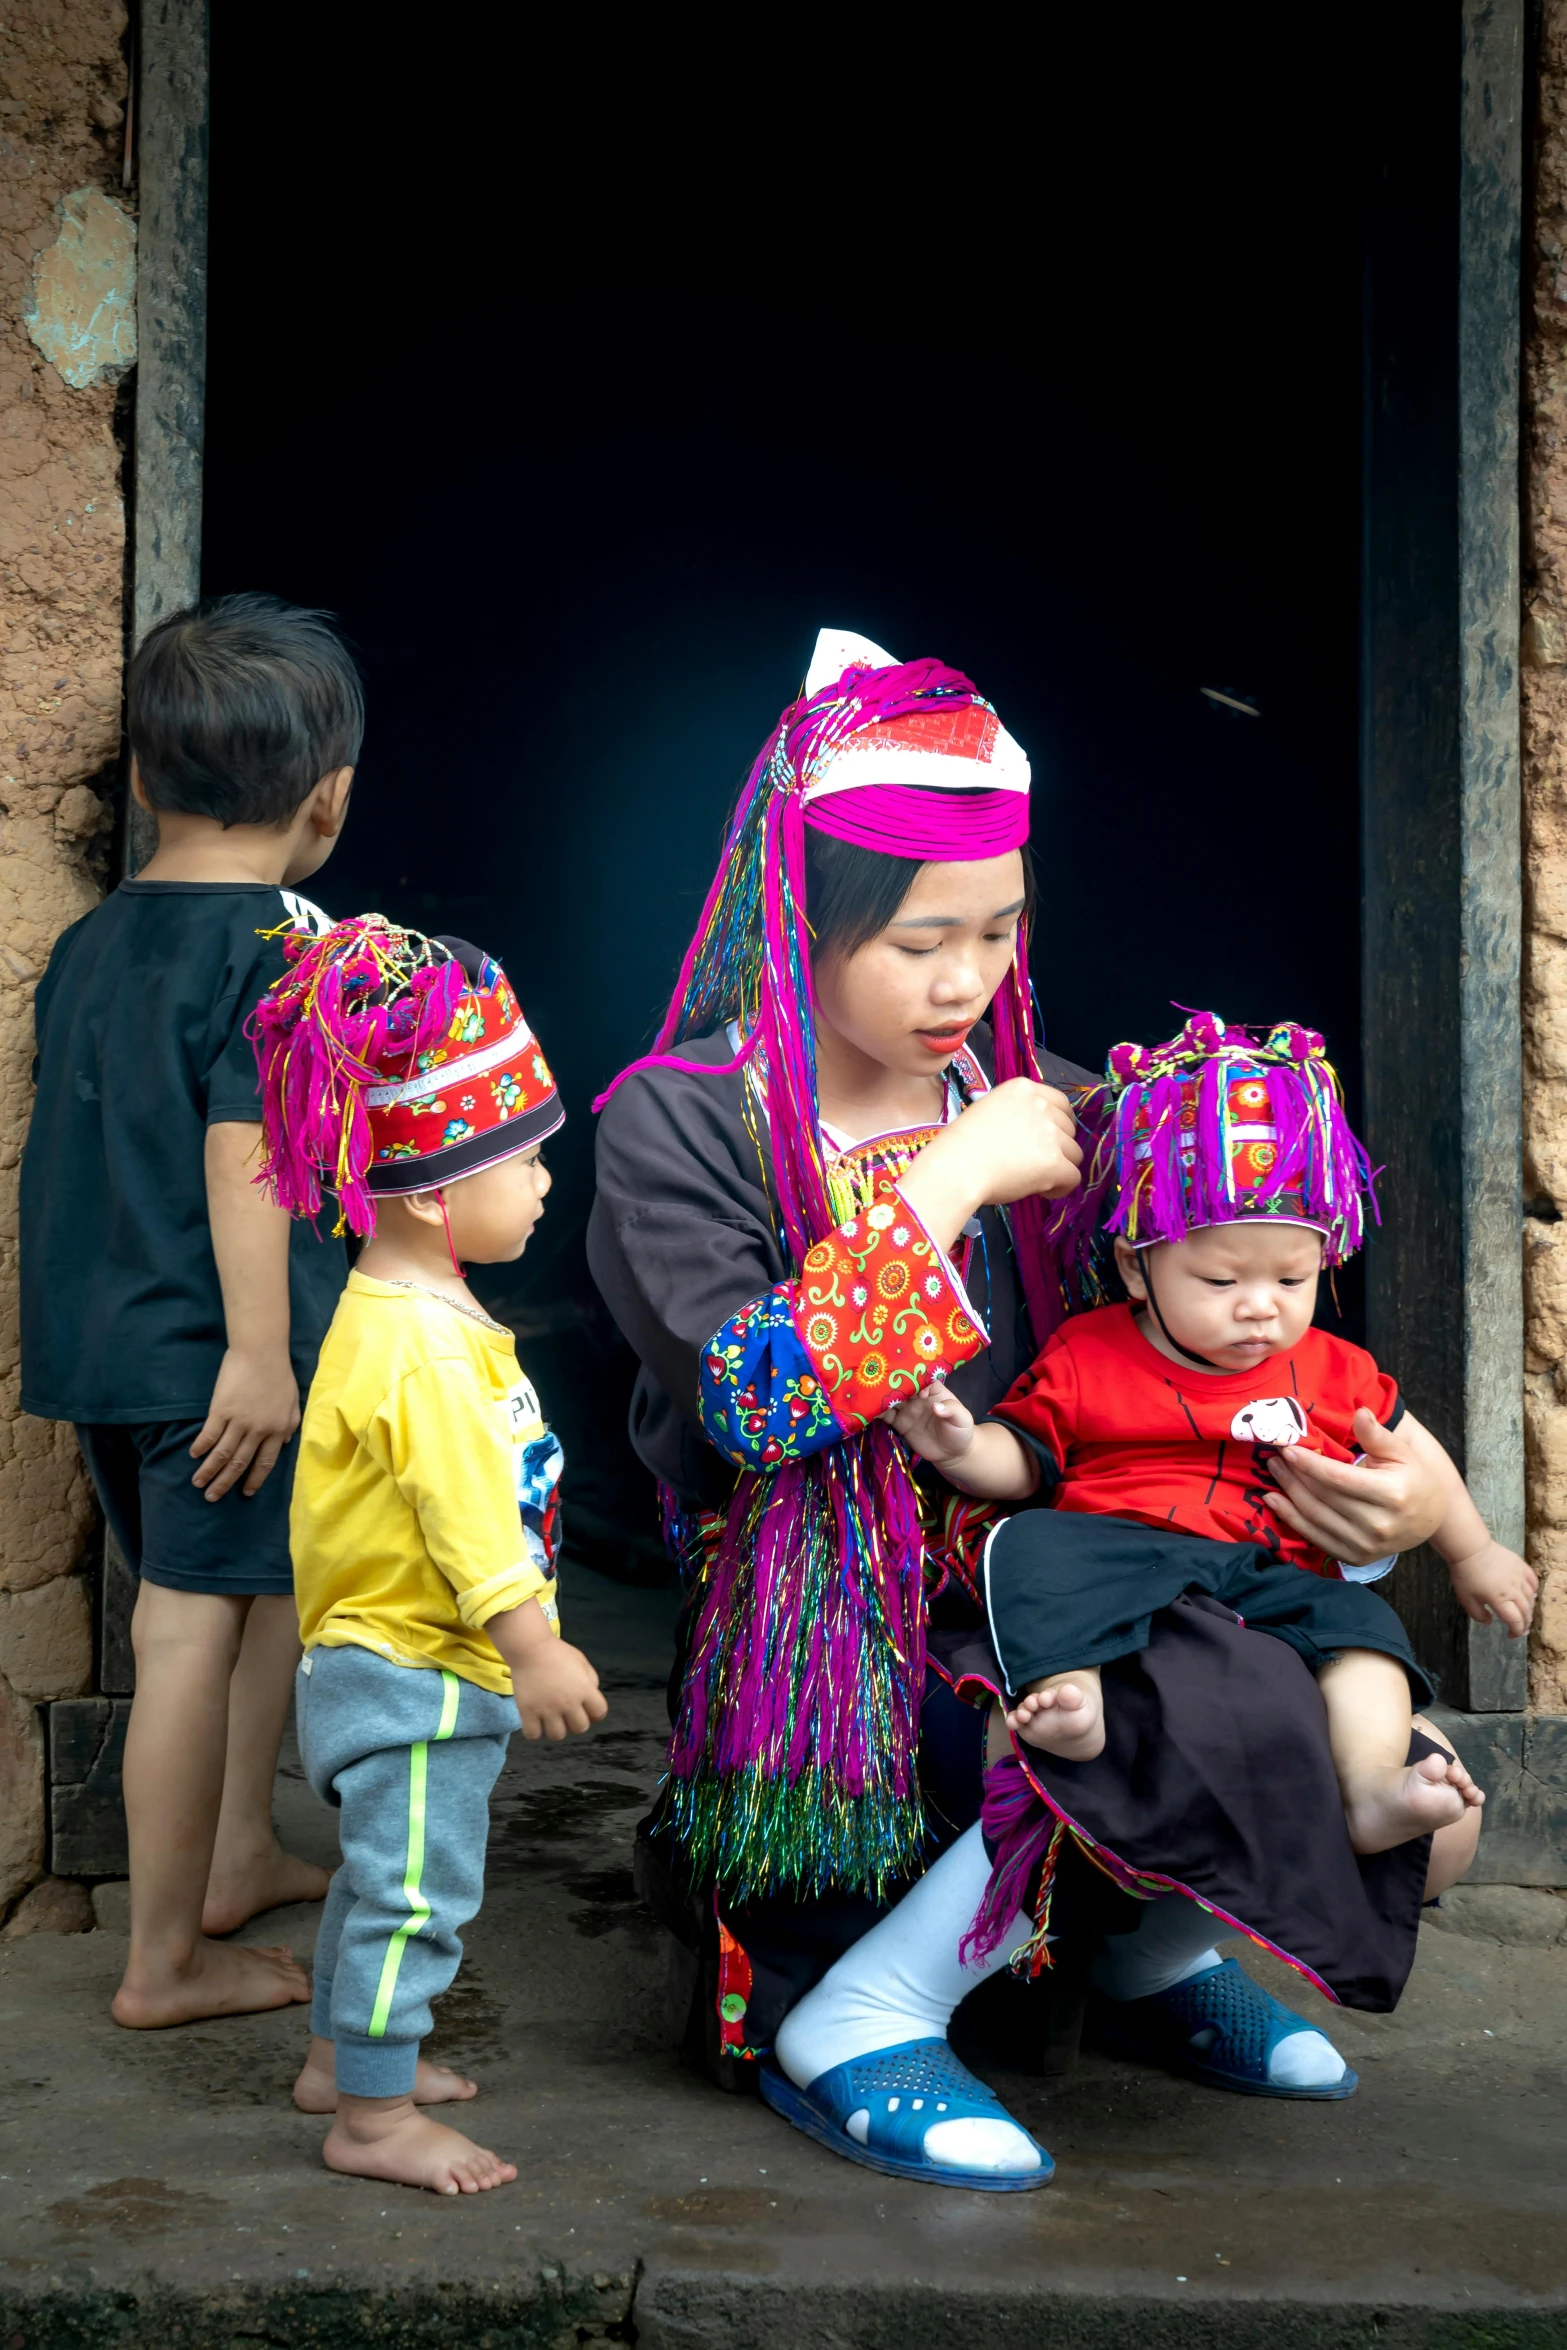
(827, 1185)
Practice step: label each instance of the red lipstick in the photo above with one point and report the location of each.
(943, 1040)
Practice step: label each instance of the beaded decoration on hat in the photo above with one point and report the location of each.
(1218, 1125)
(391, 1062)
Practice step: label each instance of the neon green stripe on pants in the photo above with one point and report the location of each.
(418, 1907)
(450, 1693)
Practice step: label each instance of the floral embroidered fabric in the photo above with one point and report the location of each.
(876, 1314)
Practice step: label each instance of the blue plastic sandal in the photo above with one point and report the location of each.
(904, 2090)
(1245, 2023)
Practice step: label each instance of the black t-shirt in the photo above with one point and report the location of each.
(141, 1046)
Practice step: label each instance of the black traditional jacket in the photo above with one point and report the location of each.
(684, 1245)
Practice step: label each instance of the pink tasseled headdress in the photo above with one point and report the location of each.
(1218, 1125)
(904, 757)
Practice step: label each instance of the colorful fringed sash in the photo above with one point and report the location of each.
(792, 1763)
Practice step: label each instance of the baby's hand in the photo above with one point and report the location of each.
(557, 1691)
(934, 1424)
(1496, 1583)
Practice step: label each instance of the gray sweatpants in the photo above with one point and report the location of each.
(409, 1755)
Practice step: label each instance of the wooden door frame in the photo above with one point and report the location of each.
(1441, 776)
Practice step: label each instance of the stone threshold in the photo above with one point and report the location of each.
(659, 2308)
(1521, 1762)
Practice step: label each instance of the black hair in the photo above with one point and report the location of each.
(239, 706)
(851, 894)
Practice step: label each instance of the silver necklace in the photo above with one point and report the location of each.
(474, 1313)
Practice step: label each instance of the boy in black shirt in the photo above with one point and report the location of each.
(169, 1308)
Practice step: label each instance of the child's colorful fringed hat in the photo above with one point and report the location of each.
(1219, 1126)
(392, 1062)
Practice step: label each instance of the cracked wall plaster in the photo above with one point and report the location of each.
(83, 312)
(62, 559)
(1545, 868)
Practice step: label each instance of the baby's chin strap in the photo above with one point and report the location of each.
(1147, 1272)
(461, 1273)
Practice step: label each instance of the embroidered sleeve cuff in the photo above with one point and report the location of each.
(878, 1312)
(762, 1402)
(514, 1587)
(881, 1311)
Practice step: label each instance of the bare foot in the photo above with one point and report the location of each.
(1394, 1802)
(315, 2091)
(218, 1978)
(241, 1886)
(1068, 1720)
(389, 2138)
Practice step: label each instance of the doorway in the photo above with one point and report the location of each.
(587, 391)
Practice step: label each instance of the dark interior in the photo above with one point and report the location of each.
(585, 387)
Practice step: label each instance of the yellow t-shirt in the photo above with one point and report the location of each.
(424, 1497)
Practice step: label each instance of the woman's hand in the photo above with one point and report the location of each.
(1018, 1140)
(1361, 1511)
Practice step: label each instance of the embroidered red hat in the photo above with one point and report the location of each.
(391, 1062)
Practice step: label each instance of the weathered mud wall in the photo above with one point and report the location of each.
(1545, 861)
(67, 313)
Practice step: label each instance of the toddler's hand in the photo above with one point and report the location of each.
(934, 1424)
(557, 1691)
(1496, 1583)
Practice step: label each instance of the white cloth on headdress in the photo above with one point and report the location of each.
(836, 649)
(978, 754)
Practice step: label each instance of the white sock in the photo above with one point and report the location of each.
(1306, 2060)
(1171, 1940)
(902, 1981)
(1169, 1945)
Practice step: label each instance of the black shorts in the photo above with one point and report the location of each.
(1065, 1590)
(169, 1531)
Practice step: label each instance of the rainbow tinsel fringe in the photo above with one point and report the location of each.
(792, 1763)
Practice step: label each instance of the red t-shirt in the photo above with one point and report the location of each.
(1137, 1436)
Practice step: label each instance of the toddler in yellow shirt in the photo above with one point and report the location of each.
(399, 1071)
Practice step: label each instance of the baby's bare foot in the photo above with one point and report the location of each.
(315, 2091)
(1068, 1720)
(389, 2138)
(219, 1978)
(242, 1885)
(1393, 1803)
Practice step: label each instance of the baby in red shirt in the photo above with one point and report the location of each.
(1230, 1179)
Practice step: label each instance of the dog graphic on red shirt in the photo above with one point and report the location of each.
(1273, 1419)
